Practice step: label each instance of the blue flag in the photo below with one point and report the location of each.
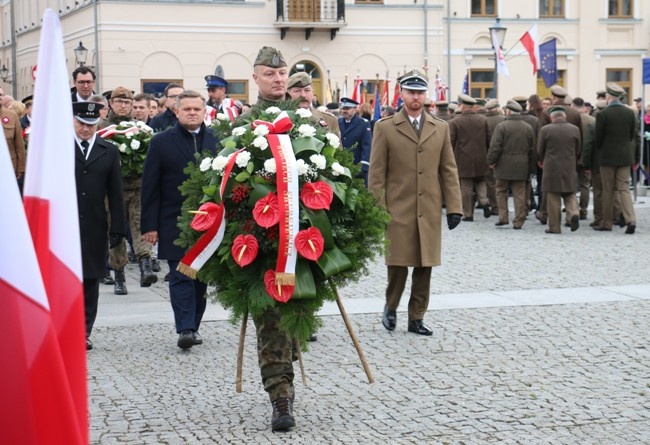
(646, 71)
(377, 114)
(548, 62)
(466, 82)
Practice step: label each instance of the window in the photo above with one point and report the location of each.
(620, 8)
(623, 77)
(481, 83)
(551, 8)
(483, 8)
(238, 89)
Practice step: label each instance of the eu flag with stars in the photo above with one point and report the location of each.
(548, 62)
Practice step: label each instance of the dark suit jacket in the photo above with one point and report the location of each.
(161, 201)
(24, 122)
(98, 178)
(163, 121)
(616, 136)
(357, 132)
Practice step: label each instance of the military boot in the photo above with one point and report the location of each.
(147, 276)
(120, 283)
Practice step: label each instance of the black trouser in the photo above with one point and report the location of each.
(91, 301)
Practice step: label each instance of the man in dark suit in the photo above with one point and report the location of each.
(355, 135)
(98, 176)
(26, 120)
(168, 118)
(84, 82)
(161, 201)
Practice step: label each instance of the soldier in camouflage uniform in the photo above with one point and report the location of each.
(121, 102)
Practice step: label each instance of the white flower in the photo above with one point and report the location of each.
(219, 163)
(337, 169)
(262, 130)
(135, 144)
(333, 140)
(126, 124)
(303, 112)
(269, 165)
(238, 131)
(128, 134)
(647, 135)
(302, 167)
(122, 147)
(242, 158)
(273, 110)
(222, 117)
(306, 130)
(206, 163)
(319, 160)
(261, 143)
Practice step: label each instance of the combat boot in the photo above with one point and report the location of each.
(120, 283)
(282, 416)
(147, 276)
(155, 265)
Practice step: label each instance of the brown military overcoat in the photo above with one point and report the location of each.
(559, 146)
(469, 133)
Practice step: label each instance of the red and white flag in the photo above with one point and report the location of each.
(531, 43)
(501, 61)
(37, 406)
(356, 93)
(50, 201)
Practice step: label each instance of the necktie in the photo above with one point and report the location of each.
(416, 125)
(84, 148)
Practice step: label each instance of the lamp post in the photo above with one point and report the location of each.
(498, 34)
(4, 74)
(80, 54)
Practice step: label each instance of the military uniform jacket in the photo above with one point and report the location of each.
(616, 136)
(558, 146)
(408, 176)
(161, 201)
(357, 132)
(14, 136)
(512, 149)
(470, 137)
(98, 177)
(494, 118)
(330, 121)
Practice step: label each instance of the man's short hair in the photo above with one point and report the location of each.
(578, 102)
(189, 94)
(98, 99)
(142, 96)
(172, 85)
(82, 70)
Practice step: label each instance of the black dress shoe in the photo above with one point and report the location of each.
(389, 320)
(198, 340)
(167, 276)
(186, 339)
(575, 223)
(486, 211)
(282, 417)
(501, 223)
(417, 327)
(89, 344)
(631, 227)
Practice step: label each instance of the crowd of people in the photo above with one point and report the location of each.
(417, 160)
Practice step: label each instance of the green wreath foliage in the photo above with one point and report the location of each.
(353, 227)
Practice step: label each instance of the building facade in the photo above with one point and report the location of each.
(142, 44)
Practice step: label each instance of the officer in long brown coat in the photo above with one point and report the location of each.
(470, 136)
(411, 165)
(558, 149)
(494, 117)
(512, 156)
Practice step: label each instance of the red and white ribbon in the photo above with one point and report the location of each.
(111, 130)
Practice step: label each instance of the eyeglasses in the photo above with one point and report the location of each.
(85, 82)
(173, 96)
(122, 101)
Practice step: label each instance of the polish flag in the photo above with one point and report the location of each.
(37, 406)
(531, 43)
(50, 201)
(384, 94)
(356, 94)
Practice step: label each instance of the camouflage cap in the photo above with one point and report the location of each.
(300, 79)
(271, 57)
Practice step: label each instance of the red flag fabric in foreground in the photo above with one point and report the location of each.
(51, 208)
(37, 406)
(531, 43)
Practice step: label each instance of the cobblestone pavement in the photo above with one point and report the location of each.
(574, 373)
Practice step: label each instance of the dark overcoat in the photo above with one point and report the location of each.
(357, 132)
(98, 178)
(164, 120)
(161, 200)
(408, 176)
(616, 136)
(512, 149)
(559, 146)
(470, 136)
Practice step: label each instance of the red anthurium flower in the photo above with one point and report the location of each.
(310, 243)
(206, 216)
(317, 195)
(266, 212)
(244, 249)
(277, 292)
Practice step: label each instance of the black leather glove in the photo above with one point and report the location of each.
(114, 240)
(453, 220)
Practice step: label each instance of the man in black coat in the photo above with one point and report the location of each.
(355, 135)
(167, 118)
(98, 176)
(161, 201)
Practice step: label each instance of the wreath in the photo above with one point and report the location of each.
(132, 139)
(278, 218)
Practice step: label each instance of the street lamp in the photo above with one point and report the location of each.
(4, 74)
(498, 34)
(80, 54)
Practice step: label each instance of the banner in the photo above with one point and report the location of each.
(548, 62)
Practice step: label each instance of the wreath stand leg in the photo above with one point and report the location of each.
(240, 353)
(353, 336)
(296, 346)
